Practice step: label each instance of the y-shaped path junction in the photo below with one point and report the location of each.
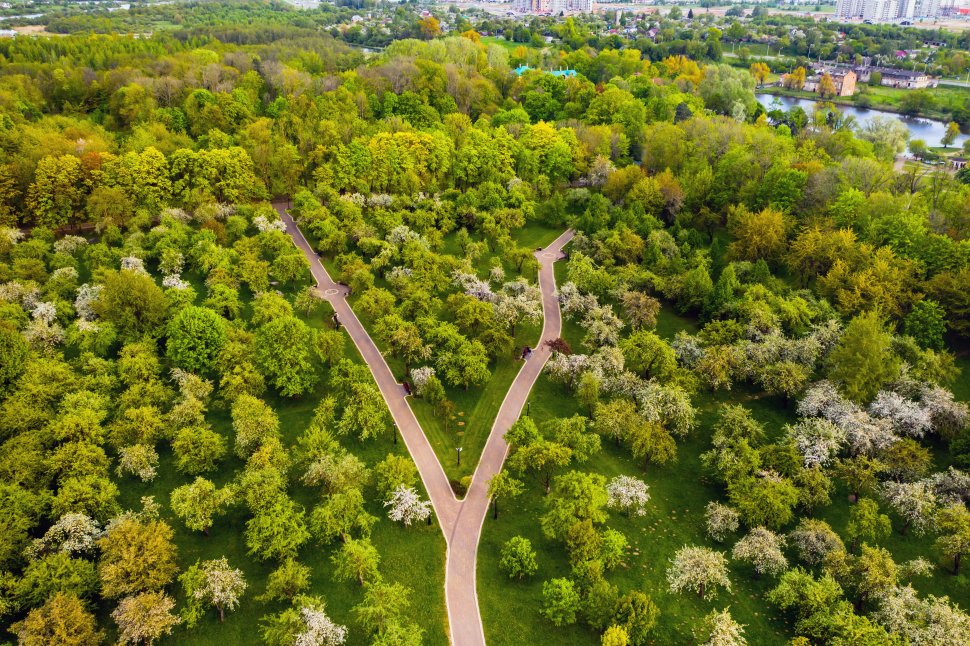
(460, 520)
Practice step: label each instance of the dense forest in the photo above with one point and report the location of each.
(754, 424)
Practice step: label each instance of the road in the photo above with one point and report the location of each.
(460, 520)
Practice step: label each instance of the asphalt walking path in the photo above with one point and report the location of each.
(460, 520)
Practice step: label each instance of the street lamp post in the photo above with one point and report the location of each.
(395, 433)
(459, 455)
(528, 408)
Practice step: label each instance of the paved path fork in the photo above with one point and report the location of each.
(460, 520)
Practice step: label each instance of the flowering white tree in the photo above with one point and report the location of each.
(263, 224)
(914, 502)
(668, 405)
(932, 621)
(720, 629)
(814, 539)
(762, 548)
(73, 534)
(45, 312)
(220, 585)
(906, 416)
(951, 486)
(175, 281)
(628, 494)
(69, 244)
(420, 378)
(473, 286)
(948, 416)
(817, 439)
(698, 569)
(407, 506)
(319, 629)
(720, 521)
(133, 263)
(138, 459)
(602, 326)
(144, 618)
(518, 300)
(87, 294)
(574, 302)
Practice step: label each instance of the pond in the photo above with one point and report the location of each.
(929, 130)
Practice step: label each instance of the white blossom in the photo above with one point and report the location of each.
(628, 494)
(698, 569)
(69, 244)
(687, 348)
(12, 292)
(668, 405)
(263, 224)
(574, 302)
(932, 621)
(720, 520)
(402, 234)
(12, 235)
(915, 502)
(722, 630)
(814, 539)
(43, 335)
(948, 416)
(420, 378)
(222, 585)
(906, 416)
(473, 286)
(180, 215)
(602, 326)
(174, 281)
(382, 200)
(319, 629)
(73, 534)
(138, 459)
(133, 263)
(762, 548)
(818, 440)
(950, 487)
(45, 312)
(496, 274)
(406, 506)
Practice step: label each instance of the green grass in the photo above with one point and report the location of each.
(412, 556)
(675, 517)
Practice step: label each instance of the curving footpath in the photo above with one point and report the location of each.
(460, 520)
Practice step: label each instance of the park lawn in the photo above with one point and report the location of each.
(411, 556)
(679, 491)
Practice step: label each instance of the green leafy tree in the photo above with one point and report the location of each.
(560, 601)
(200, 502)
(953, 524)
(133, 303)
(135, 557)
(357, 560)
(863, 361)
(195, 338)
(382, 607)
(198, 449)
(502, 487)
(284, 353)
(637, 614)
(926, 323)
(518, 559)
(62, 620)
(277, 531)
(866, 523)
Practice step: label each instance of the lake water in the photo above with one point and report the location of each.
(928, 130)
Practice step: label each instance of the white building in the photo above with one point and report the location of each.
(887, 10)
